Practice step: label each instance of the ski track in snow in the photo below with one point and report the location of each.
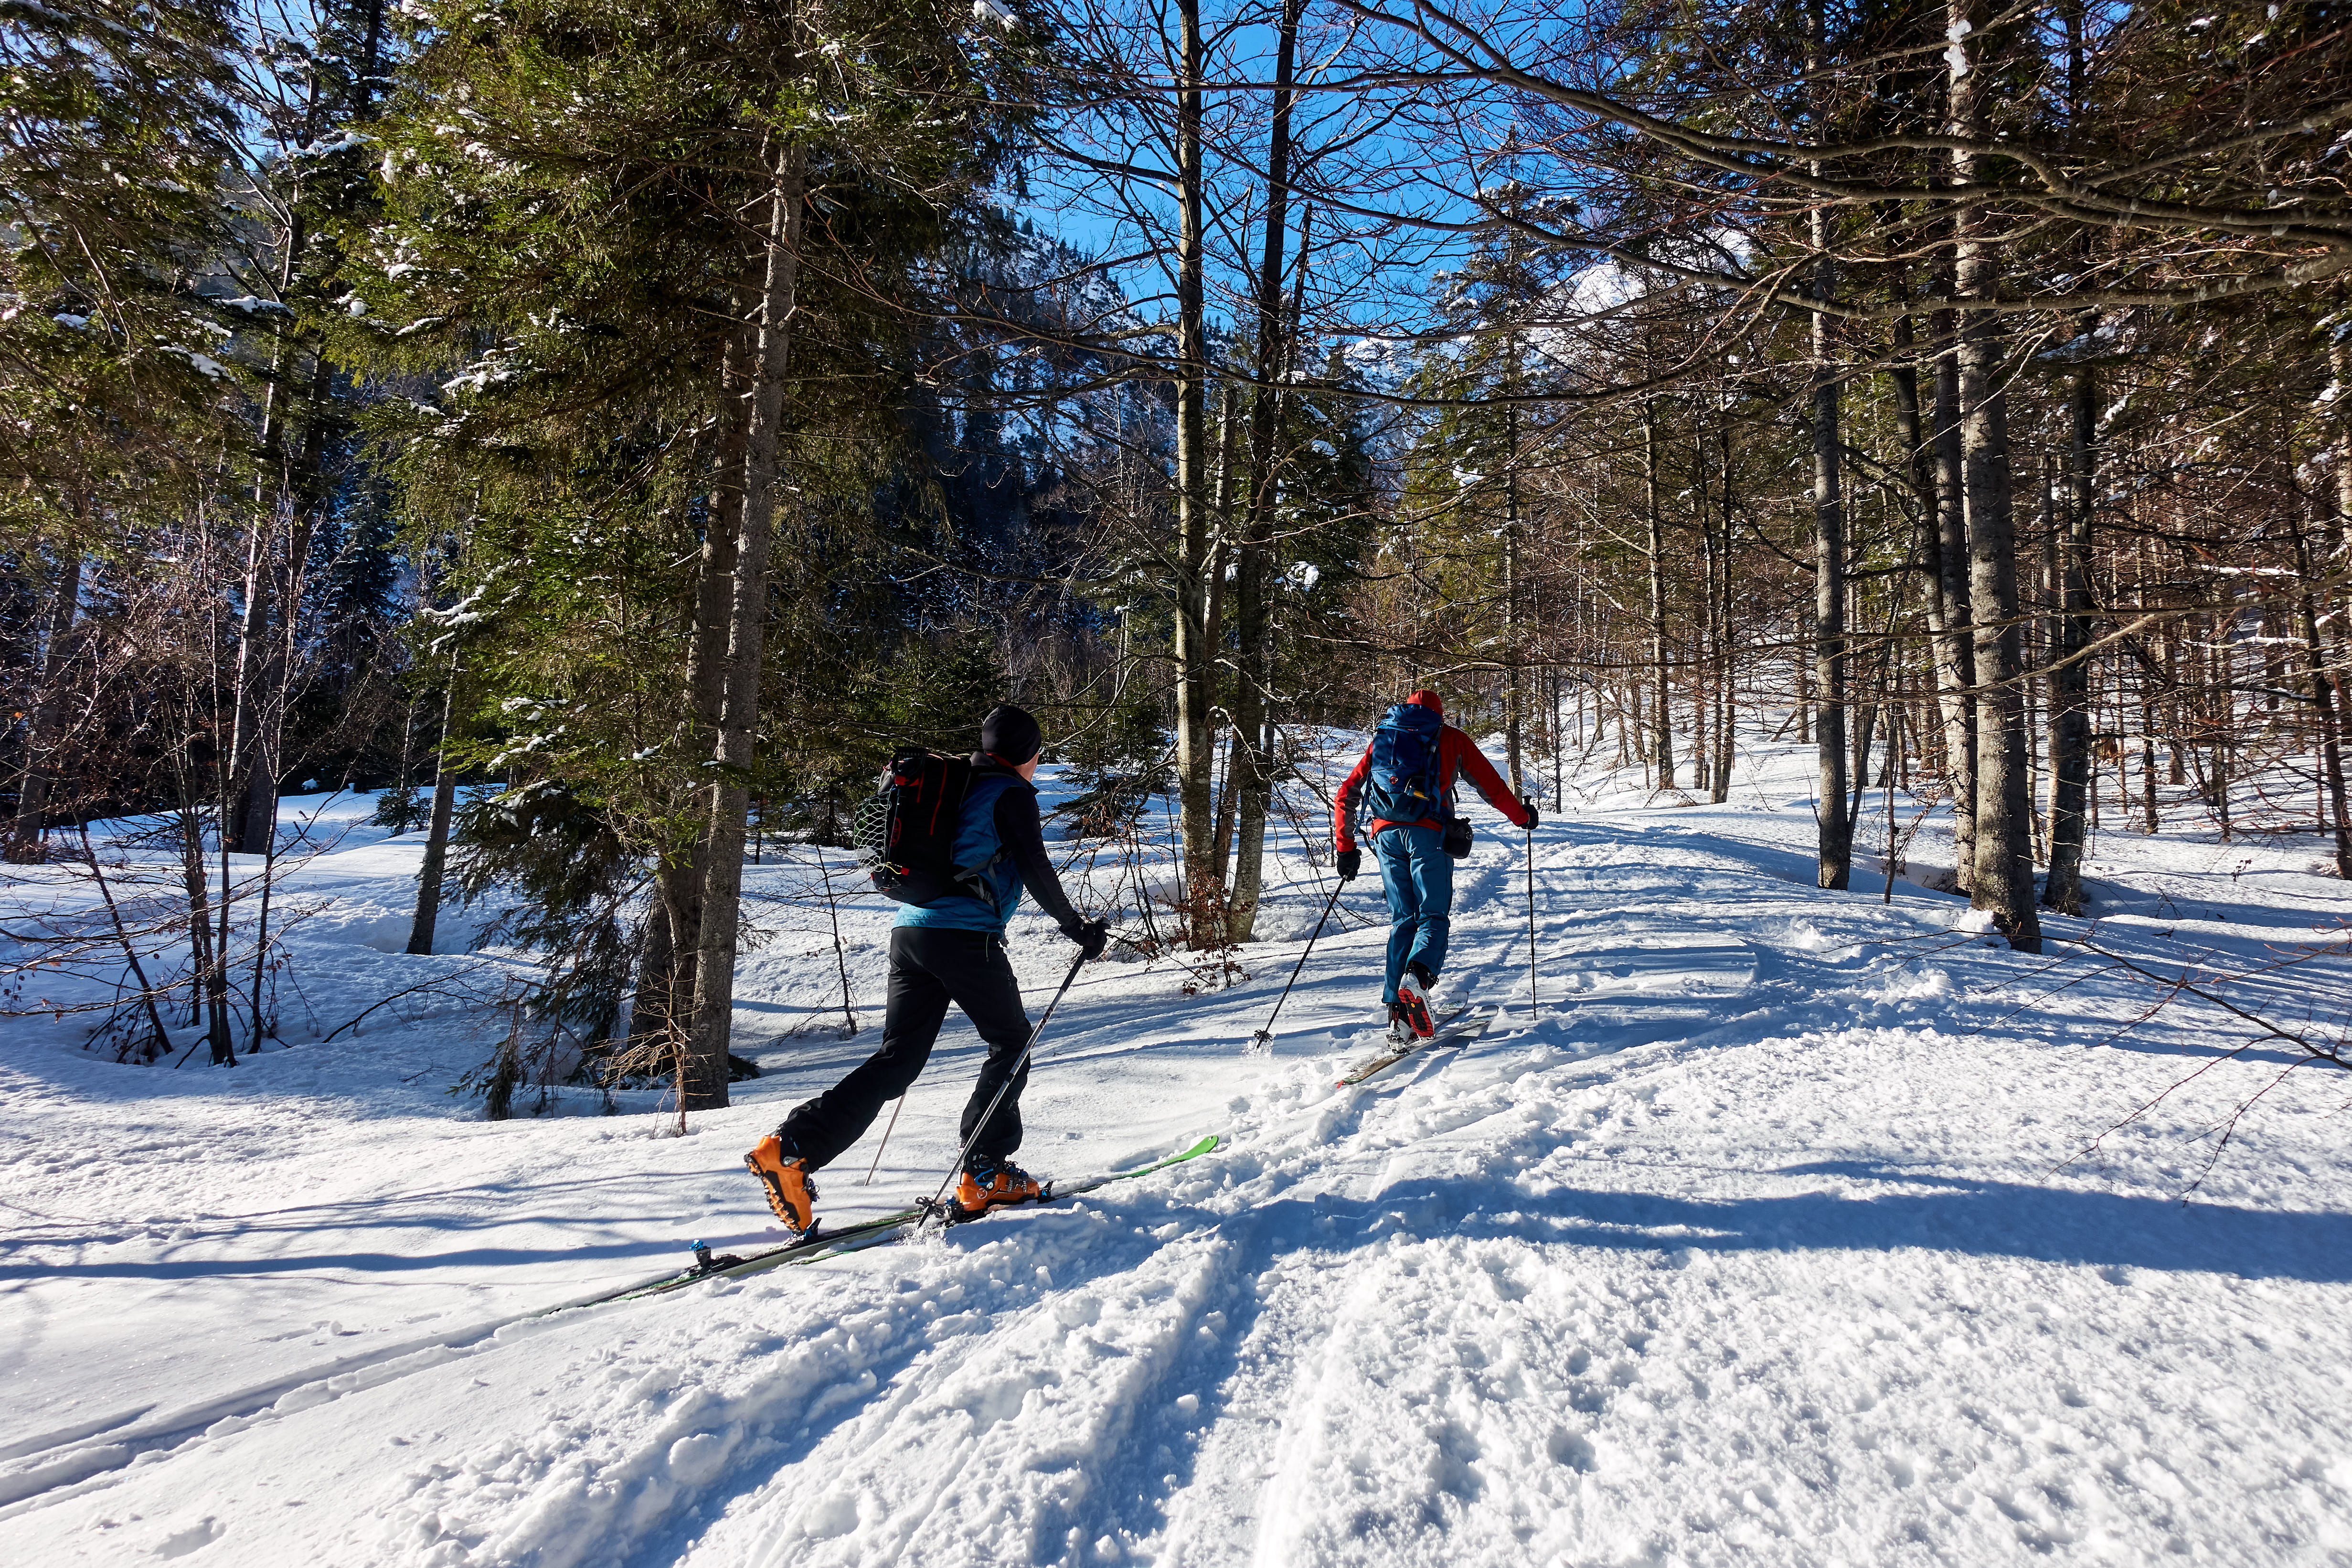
(1764, 1242)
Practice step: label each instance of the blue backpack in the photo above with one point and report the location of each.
(1401, 784)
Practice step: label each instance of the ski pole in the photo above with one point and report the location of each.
(1264, 1038)
(1531, 924)
(897, 1106)
(934, 1203)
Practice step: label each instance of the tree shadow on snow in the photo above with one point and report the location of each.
(1991, 1219)
(1145, 1460)
(318, 1262)
(2107, 1231)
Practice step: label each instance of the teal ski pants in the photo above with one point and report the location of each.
(1418, 877)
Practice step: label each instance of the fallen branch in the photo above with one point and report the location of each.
(161, 1035)
(2331, 1052)
(433, 984)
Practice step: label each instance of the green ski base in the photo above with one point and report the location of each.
(1459, 1026)
(823, 1243)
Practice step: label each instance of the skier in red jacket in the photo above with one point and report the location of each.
(1404, 784)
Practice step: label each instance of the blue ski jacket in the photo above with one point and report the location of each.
(1001, 830)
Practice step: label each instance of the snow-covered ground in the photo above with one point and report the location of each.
(1769, 1235)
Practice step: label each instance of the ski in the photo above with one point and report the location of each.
(1397, 1051)
(1456, 1028)
(823, 1243)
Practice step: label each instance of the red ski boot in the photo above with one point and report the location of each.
(1413, 999)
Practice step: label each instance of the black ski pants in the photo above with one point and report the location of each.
(930, 967)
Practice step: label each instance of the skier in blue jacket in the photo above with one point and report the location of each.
(950, 950)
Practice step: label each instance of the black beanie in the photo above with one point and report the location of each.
(1010, 735)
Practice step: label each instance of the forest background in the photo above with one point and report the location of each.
(656, 416)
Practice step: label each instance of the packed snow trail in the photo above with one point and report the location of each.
(1764, 1241)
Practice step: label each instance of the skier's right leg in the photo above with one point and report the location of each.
(990, 994)
(1394, 853)
(1406, 1014)
(818, 1129)
(987, 989)
(1411, 862)
(1433, 884)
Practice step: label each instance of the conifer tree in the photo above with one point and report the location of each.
(312, 90)
(115, 389)
(670, 260)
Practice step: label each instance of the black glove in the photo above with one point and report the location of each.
(1092, 937)
(1351, 861)
(1528, 807)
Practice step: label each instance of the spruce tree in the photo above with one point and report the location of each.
(662, 268)
(116, 385)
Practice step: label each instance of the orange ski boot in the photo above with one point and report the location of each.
(785, 1178)
(992, 1186)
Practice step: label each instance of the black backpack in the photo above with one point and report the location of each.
(906, 831)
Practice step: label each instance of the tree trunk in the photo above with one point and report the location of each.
(2002, 864)
(2340, 354)
(676, 911)
(1224, 555)
(2041, 635)
(2323, 703)
(277, 693)
(1864, 731)
(209, 971)
(662, 1008)
(685, 869)
(1726, 623)
(275, 676)
(1804, 663)
(1955, 658)
(1513, 737)
(1196, 640)
(46, 732)
(704, 1080)
(277, 608)
(2070, 683)
(1221, 833)
(1277, 351)
(1707, 665)
(1224, 546)
(1833, 864)
(1513, 768)
(244, 682)
(1835, 861)
(436, 831)
(1662, 742)
(1947, 637)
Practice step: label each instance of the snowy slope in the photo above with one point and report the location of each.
(1764, 1239)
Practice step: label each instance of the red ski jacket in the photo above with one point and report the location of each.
(1456, 753)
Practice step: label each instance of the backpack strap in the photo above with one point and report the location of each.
(972, 880)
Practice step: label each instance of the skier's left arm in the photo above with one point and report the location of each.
(1481, 776)
(1343, 804)
(1019, 829)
